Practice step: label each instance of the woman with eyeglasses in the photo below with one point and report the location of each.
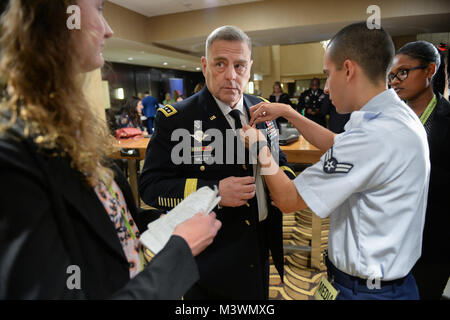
(411, 76)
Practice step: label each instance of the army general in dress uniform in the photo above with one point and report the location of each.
(236, 265)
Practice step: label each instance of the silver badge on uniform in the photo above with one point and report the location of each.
(331, 165)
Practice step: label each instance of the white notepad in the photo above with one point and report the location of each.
(159, 232)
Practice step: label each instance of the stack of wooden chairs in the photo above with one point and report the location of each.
(305, 237)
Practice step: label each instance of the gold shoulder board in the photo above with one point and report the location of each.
(168, 110)
(263, 99)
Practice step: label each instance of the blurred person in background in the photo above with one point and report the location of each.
(150, 106)
(167, 99)
(280, 97)
(131, 115)
(177, 97)
(336, 121)
(310, 102)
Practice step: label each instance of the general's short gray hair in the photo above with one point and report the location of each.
(227, 33)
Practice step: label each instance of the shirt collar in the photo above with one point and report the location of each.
(378, 103)
(372, 109)
(226, 109)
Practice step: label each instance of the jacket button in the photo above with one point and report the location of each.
(247, 222)
(252, 266)
(244, 167)
(202, 168)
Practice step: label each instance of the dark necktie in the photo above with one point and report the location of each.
(242, 158)
(237, 119)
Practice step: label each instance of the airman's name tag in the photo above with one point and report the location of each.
(325, 290)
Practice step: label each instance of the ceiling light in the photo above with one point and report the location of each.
(130, 59)
(120, 94)
(165, 63)
(198, 68)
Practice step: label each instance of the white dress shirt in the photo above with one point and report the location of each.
(373, 184)
(261, 195)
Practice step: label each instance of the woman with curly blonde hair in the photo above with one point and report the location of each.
(68, 224)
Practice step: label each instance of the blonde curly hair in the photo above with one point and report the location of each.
(45, 91)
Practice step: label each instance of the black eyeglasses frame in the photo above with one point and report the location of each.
(391, 77)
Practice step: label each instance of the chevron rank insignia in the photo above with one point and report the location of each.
(168, 110)
(331, 164)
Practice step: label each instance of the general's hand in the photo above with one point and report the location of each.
(236, 191)
(199, 231)
(268, 111)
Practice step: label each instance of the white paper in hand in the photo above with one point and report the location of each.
(160, 231)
